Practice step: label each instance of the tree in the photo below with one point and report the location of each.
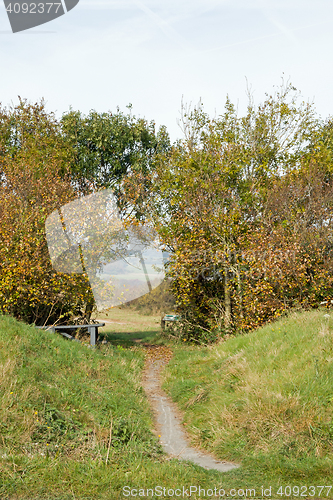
(287, 261)
(34, 181)
(44, 164)
(108, 146)
(208, 195)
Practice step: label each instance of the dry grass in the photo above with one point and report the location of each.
(268, 393)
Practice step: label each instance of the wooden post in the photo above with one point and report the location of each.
(93, 335)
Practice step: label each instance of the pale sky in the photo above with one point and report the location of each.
(109, 53)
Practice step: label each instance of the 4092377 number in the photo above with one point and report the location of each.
(33, 8)
(304, 491)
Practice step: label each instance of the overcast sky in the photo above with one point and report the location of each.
(109, 53)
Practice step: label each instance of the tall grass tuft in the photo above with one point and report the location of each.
(265, 397)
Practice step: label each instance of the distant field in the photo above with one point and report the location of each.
(137, 320)
(125, 326)
(127, 320)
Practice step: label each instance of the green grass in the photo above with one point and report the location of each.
(264, 399)
(58, 400)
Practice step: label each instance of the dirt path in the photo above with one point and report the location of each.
(167, 417)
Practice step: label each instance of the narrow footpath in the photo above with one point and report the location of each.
(168, 424)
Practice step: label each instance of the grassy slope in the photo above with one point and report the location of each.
(264, 399)
(57, 402)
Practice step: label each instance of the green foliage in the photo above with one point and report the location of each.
(45, 164)
(107, 146)
(231, 201)
(34, 182)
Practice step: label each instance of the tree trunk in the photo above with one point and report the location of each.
(227, 302)
(89, 309)
(240, 294)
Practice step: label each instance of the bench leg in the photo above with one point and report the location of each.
(93, 335)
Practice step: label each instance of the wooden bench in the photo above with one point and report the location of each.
(92, 329)
(169, 317)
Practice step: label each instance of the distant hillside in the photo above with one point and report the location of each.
(158, 301)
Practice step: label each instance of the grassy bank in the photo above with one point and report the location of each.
(264, 399)
(60, 403)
